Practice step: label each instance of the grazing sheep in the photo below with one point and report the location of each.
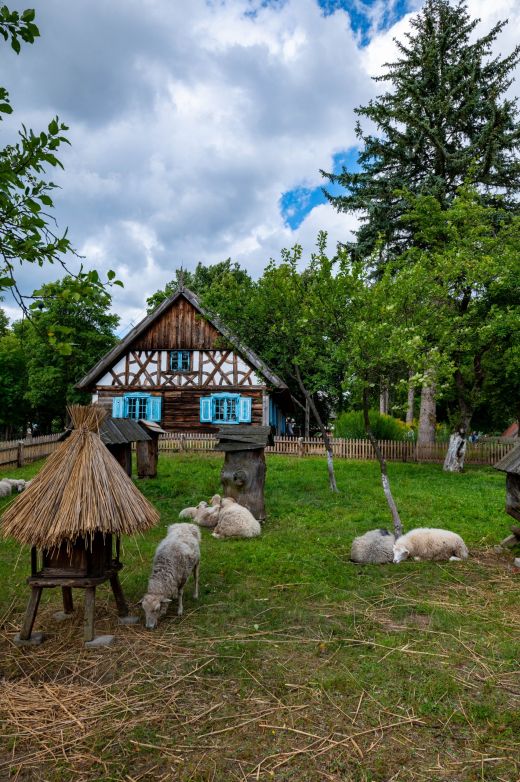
(5, 488)
(373, 548)
(235, 521)
(177, 556)
(202, 514)
(426, 543)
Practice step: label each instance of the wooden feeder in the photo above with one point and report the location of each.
(243, 474)
(510, 464)
(118, 434)
(148, 449)
(80, 502)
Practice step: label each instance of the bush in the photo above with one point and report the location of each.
(384, 427)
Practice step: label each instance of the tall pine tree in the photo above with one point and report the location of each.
(446, 120)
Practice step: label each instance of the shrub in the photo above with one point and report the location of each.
(384, 427)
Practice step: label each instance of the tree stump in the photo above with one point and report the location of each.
(243, 474)
(243, 478)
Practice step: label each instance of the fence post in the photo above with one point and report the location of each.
(300, 446)
(20, 458)
(183, 442)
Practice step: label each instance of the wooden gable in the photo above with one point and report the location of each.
(181, 326)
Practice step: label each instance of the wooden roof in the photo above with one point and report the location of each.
(105, 363)
(510, 462)
(120, 431)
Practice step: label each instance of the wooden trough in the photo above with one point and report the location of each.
(81, 501)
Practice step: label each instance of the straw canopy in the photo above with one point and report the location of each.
(81, 489)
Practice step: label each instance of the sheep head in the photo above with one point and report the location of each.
(154, 607)
(400, 553)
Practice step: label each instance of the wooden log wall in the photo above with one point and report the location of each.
(181, 408)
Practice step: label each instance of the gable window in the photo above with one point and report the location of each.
(225, 409)
(137, 405)
(180, 360)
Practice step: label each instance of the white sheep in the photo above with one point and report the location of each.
(5, 488)
(425, 543)
(177, 556)
(17, 483)
(235, 521)
(203, 514)
(373, 548)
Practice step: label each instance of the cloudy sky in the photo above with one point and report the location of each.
(198, 127)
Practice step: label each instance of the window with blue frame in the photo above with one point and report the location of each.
(225, 409)
(137, 405)
(180, 360)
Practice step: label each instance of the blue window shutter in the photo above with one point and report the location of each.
(118, 407)
(205, 410)
(154, 408)
(244, 409)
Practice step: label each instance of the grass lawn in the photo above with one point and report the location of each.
(294, 664)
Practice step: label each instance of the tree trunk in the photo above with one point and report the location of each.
(243, 478)
(326, 439)
(454, 461)
(398, 527)
(427, 416)
(307, 419)
(411, 402)
(383, 398)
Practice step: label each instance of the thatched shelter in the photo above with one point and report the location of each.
(72, 508)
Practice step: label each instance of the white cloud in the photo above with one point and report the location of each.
(188, 122)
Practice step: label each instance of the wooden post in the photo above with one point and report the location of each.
(68, 605)
(90, 608)
(30, 613)
(147, 456)
(20, 457)
(300, 446)
(122, 607)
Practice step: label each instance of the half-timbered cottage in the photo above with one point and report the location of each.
(183, 368)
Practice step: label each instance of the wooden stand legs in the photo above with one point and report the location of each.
(68, 605)
(30, 613)
(37, 584)
(122, 607)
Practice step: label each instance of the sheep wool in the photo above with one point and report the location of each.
(235, 521)
(425, 543)
(5, 489)
(202, 514)
(373, 548)
(177, 556)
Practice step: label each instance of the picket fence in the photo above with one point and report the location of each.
(483, 452)
(19, 452)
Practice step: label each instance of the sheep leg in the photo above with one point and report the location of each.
(196, 577)
(179, 603)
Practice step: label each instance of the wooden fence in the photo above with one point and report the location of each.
(19, 452)
(483, 452)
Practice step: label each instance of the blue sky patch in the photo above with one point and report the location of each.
(296, 204)
(362, 16)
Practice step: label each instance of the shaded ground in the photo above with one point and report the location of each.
(295, 664)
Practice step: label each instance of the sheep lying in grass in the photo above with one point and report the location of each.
(203, 514)
(373, 548)
(5, 489)
(177, 556)
(8, 485)
(235, 521)
(17, 483)
(425, 543)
